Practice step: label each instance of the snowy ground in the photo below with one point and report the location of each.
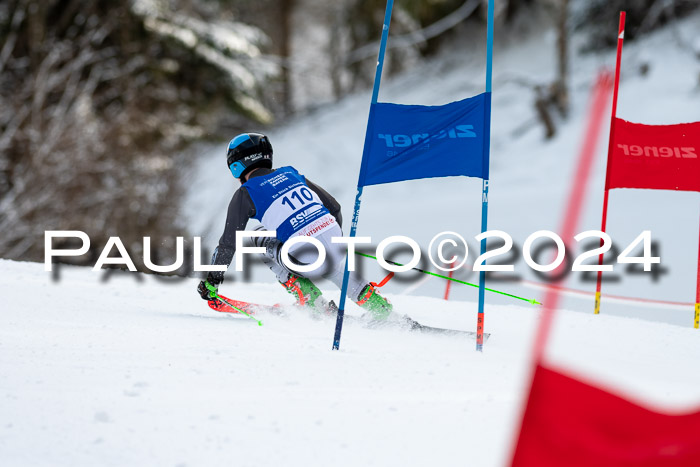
(129, 373)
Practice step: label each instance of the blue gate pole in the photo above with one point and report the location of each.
(358, 197)
(485, 186)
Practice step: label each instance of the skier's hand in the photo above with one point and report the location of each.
(204, 291)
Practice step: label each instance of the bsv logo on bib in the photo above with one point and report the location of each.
(303, 215)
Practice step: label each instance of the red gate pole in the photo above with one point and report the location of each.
(620, 38)
(697, 291)
(449, 283)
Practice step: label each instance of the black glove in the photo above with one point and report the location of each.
(204, 291)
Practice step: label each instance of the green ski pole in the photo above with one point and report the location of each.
(212, 293)
(532, 301)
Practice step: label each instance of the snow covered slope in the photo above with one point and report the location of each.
(530, 177)
(139, 371)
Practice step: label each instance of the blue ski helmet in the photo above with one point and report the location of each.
(248, 151)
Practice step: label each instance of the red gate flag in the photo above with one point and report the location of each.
(569, 422)
(662, 157)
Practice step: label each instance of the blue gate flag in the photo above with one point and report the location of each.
(409, 142)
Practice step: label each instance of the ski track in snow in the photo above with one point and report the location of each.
(139, 371)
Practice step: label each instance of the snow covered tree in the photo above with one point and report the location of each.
(97, 98)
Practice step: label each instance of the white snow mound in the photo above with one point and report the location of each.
(139, 371)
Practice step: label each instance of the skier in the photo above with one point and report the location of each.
(285, 201)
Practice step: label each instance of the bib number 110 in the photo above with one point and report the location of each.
(302, 196)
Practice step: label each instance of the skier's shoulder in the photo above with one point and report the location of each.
(240, 196)
(240, 191)
(241, 204)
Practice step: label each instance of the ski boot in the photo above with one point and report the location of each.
(309, 296)
(377, 306)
